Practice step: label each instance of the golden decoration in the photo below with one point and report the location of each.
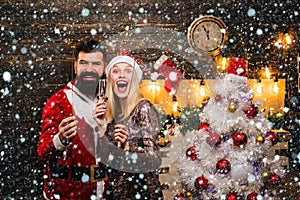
(231, 107)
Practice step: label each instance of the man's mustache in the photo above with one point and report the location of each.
(91, 74)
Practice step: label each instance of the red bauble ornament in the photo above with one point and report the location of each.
(201, 183)
(204, 126)
(273, 137)
(231, 196)
(251, 111)
(218, 98)
(213, 139)
(191, 153)
(239, 139)
(252, 196)
(274, 180)
(223, 166)
(180, 196)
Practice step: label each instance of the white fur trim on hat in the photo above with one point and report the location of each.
(128, 60)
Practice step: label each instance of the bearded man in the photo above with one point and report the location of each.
(67, 144)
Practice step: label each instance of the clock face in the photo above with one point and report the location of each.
(207, 34)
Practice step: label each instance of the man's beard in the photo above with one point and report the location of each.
(87, 87)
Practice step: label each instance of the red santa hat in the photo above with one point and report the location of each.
(237, 66)
(142, 65)
(165, 66)
(126, 58)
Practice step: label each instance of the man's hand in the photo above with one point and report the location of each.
(67, 129)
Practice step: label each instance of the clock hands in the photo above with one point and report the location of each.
(207, 32)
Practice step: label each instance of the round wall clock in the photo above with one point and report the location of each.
(208, 34)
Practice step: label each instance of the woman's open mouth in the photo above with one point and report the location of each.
(122, 85)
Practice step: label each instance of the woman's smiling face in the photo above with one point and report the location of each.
(121, 76)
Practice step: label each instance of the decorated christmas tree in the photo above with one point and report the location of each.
(229, 156)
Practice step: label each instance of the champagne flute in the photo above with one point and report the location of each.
(101, 90)
(103, 98)
(101, 95)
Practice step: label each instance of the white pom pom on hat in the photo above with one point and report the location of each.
(240, 71)
(125, 59)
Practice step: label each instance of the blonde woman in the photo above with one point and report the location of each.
(127, 128)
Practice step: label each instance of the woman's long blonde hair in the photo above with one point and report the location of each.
(134, 96)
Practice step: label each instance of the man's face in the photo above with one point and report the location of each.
(89, 68)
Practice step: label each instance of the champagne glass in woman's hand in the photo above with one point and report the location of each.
(100, 110)
(101, 90)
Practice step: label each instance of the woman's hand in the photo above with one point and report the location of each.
(99, 113)
(120, 134)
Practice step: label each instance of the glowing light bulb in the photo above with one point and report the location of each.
(288, 39)
(202, 88)
(154, 88)
(275, 88)
(202, 91)
(268, 73)
(224, 62)
(175, 106)
(259, 88)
